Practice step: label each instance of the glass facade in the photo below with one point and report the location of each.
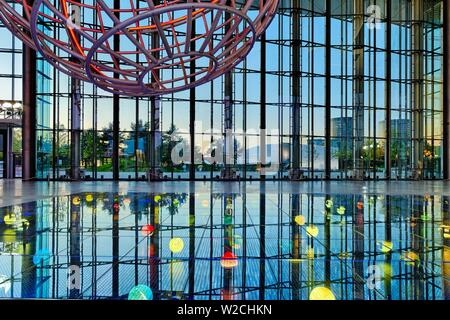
(336, 89)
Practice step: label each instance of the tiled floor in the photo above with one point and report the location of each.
(177, 240)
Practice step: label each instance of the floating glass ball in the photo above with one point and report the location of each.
(446, 231)
(312, 230)
(147, 230)
(140, 292)
(229, 260)
(300, 220)
(360, 205)
(410, 257)
(176, 245)
(341, 210)
(386, 246)
(9, 219)
(321, 293)
(76, 201)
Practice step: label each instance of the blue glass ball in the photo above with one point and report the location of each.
(140, 292)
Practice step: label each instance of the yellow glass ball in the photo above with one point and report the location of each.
(446, 233)
(386, 246)
(411, 257)
(300, 220)
(321, 293)
(89, 198)
(341, 210)
(176, 245)
(9, 219)
(76, 201)
(329, 203)
(312, 231)
(157, 199)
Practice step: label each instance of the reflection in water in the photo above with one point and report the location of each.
(226, 246)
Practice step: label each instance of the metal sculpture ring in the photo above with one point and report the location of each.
(143, 47)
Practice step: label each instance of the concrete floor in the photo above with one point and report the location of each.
(15, 191)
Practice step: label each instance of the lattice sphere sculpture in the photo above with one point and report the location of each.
(144, 47)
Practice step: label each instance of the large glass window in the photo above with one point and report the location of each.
(379, 117)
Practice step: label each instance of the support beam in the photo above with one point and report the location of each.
(388, 94)
(116, 107)
(417, 89)
(192, 115)
(75, 118)
(155, 172)
(446, 88)
(295, 173)
(29, 113)
(229, 171)
(75, 129)
(263, 109)
(155, 139)
(328, 91)
(358, 88)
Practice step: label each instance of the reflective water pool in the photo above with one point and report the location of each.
(226, 246)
